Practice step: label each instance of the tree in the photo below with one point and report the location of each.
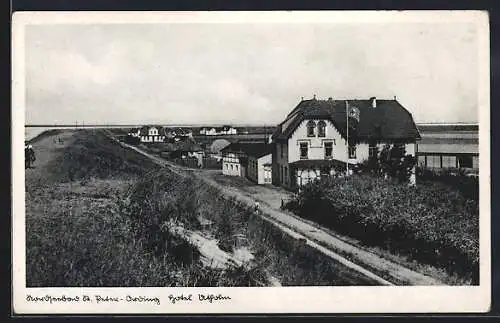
(392, 162)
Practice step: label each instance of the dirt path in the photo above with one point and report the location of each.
(366, 263)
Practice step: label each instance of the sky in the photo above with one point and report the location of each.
(189, 73)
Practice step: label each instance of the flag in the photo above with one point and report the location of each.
(353, 112)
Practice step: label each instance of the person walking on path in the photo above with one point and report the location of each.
(29, 156)
(256, 207)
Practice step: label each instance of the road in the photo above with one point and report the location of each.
(383, 271)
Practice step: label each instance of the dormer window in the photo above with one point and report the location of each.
(321, 129)
(311, 125)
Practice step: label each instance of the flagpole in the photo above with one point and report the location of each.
(347, 136)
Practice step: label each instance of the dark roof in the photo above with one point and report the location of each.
(257, 149)
(144, 130)
(311, 163)
(447, 127)
(389, 120)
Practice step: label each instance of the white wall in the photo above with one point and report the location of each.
(316, 147)
(231, 165)
(410, 149)
(362, 152)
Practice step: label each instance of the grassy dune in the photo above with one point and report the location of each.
(97, 219)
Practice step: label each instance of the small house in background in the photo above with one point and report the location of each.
(259, 165)
(228, 130)
(248, 159)
(215, 131)
(215, 149)
(151, 134)
(134, 132)
(233, 161)
(188, 149)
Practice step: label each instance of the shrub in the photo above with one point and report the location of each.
(391, 161)
(431, 223)
(452, 177)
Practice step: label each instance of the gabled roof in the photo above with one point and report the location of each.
(219, 144)
(144, 130)
(257, 149)
(388, 120)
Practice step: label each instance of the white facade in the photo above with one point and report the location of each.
(316, 145)
(330, 145)
(214, 132)
(153, 136)
(231, 165)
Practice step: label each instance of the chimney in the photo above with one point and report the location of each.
(395, 98)
(374, 102)
(314, 97)
(330, 99)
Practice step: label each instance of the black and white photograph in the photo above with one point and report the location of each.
(340, 157)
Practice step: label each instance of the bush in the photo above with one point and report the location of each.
(456, 178)
(391, 161)
(431, 223)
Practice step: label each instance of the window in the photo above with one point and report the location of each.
(303, 150)
(286, 174)
(310, 128)
(434, 161)
(231, 166)
(321, 129)
(421, 161)
(236, 167)
(226, 166)
(281, 151)
(352, 151)
(328, 149)
(449, 161)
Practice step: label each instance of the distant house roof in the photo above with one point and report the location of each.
(388, 120)
(218, 145)
(257, 149)
(144, 131)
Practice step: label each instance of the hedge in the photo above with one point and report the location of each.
(431, 223)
